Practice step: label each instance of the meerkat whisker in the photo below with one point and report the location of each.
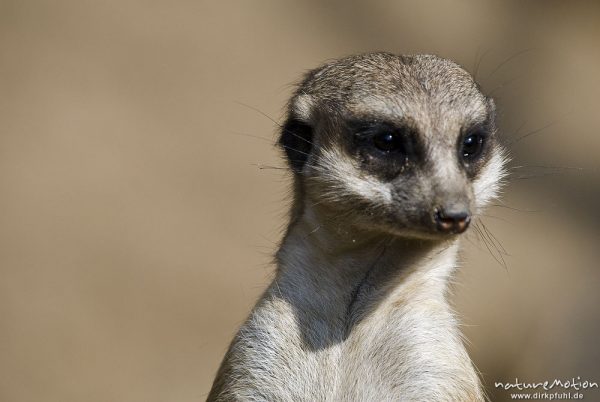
(514, 208)
(493, 238)
(496, 217)
(506, 84)
(478, 61)
(497, 257)
(272, 120)
(519, 128)
(262, 166)
(258, 137)
(533, 132)
(548, 167)
(509, 59)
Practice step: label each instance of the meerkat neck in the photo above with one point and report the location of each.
(351, 316)
(380, 302)
(341, 275)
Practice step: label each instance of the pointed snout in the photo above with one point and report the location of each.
(452, 218)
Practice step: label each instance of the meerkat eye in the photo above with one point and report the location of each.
(388, 141)
(472, 146)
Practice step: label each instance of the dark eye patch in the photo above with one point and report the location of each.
(384, 148)
(381, 137)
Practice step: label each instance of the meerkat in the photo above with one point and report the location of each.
(392, 156)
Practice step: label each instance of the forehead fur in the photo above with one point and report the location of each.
(423, 88)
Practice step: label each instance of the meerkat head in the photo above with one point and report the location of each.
(404, 145)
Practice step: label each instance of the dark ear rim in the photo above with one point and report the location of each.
(296, 140)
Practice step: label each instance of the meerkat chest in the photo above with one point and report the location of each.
(400, 356)
(280, 357)
(388, 356)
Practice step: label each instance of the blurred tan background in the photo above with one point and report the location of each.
(136, 230)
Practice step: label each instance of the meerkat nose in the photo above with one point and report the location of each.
(452, 218)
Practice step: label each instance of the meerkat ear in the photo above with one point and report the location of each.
(297, 134)
(296, 140)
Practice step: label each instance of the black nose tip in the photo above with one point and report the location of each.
(452, 220)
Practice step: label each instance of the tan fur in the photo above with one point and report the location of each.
(358, 308)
